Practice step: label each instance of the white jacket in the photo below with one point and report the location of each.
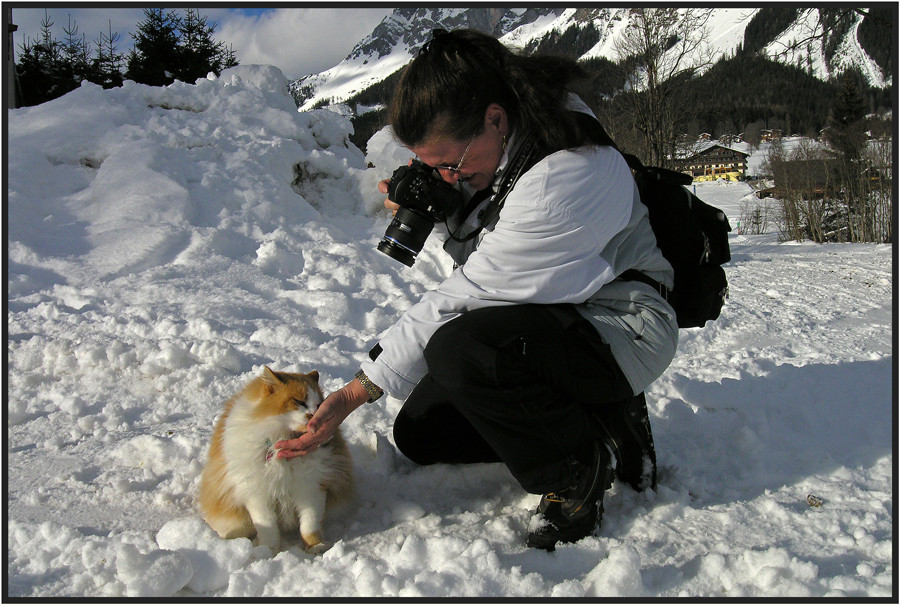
(569, 226)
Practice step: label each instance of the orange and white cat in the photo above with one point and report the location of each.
(247, 490)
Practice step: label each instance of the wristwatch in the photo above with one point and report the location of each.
(371, 388)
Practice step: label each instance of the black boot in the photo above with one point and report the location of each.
(626, 429)
(574, 513)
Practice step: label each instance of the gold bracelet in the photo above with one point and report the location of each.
(370, 387)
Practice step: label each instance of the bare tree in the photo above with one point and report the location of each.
(667, 47)
(880, 156)
(788, 198)
(825, 196)
(859, 167)
(754, 216)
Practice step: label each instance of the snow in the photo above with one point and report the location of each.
(724, 33)
(849, 54)
(166, 243)
(353, 75)
(544, 25)
(726, 29)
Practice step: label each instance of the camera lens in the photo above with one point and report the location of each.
(405, 236)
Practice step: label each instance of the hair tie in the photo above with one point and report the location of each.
(436, 34)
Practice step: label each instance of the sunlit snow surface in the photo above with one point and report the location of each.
(166, 243)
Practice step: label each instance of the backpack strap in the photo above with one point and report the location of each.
(599, 136)
(526, 156)
(635, 275)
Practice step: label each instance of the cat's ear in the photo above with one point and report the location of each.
(270, 378)
(314, 375)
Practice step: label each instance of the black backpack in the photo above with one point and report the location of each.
(692, 235)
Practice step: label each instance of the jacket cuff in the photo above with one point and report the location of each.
(392, 383)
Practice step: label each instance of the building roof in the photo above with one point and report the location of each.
(710, 145)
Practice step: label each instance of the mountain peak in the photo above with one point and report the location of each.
(393, 43)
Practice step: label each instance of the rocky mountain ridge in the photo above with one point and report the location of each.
(395, 40)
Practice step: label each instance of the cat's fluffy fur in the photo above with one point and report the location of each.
(247, 490)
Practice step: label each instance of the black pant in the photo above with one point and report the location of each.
(512, 384)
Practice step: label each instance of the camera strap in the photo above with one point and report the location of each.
(526, 156)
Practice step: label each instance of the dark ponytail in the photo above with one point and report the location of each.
(446, 89)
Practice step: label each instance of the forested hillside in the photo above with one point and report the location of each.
(741, 94)
(877, 39)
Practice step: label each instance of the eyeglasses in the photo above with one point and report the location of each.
(458, 167)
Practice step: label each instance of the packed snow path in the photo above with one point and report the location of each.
(166, 243)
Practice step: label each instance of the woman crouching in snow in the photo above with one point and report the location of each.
(534, 352)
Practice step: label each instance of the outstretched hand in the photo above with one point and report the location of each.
(325, 422)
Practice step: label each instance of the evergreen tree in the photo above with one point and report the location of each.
(847, 136)
(166, 47)
(75, 65)
(156, 54)
(39, 66)
(229, 59)
(877, 33)
(847, 128)
(169, 47)
(199, 54)
(107, 63)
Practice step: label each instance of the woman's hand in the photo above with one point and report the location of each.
(325, 422)
(383, 188)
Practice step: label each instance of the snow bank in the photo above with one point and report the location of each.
(166, 243)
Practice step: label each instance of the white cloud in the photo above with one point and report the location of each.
(299, 41)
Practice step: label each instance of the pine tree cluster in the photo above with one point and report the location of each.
(168, 46)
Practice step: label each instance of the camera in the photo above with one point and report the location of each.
(424, 199)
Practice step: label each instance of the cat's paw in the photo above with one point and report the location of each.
(317, 549)
(270, 540)
(313, 543)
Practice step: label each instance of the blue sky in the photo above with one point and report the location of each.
(252, 12)
(299, 41)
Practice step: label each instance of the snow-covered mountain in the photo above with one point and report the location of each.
(848, 53)
(394, 42)
(396, 39)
